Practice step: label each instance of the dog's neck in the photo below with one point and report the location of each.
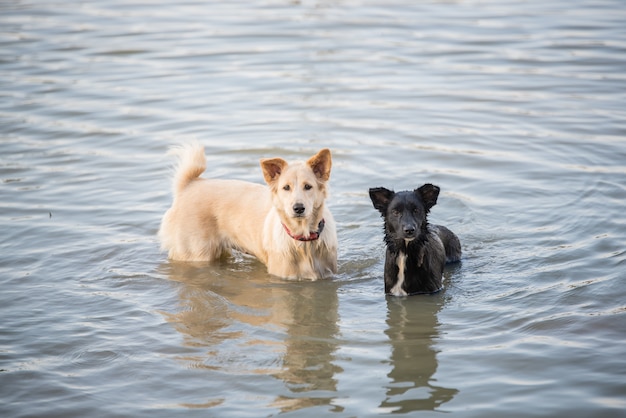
(397, 245)
(313, 235)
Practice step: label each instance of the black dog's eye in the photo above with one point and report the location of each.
(286, 188)
(395, 212)
(307, 187)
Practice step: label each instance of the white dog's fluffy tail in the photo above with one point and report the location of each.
(191, 164)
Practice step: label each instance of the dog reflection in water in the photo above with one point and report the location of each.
(412, 331)
(237, 320)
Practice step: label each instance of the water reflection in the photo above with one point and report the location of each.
(310, 345)
(412, 327)
(249, 323)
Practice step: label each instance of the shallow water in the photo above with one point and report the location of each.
(516, 110)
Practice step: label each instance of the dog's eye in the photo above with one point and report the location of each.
(286, 187)
(307, 187)
(395, 212)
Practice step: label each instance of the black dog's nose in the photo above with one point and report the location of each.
(409, 231)
(298, 208)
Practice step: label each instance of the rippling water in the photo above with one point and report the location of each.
(516, 109)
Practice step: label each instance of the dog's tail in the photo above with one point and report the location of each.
(191, 164)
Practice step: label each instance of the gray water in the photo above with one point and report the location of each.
(517, 110)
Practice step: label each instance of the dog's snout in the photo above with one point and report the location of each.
(298, 208)
(409, 230)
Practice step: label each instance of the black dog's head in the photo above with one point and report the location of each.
(405, 212)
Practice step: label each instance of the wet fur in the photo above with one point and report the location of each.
(209, 217)
(416, 251)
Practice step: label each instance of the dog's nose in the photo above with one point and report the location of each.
(409, 231)
(298, 208)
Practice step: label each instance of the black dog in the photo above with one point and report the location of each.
(416, 251)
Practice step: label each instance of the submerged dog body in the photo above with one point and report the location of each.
(286, 224)
(416, 251)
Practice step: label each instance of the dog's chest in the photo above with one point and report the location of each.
(397, 289)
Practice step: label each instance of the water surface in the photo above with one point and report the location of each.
(516, 110)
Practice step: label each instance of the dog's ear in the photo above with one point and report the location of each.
(272, 167)
(429, 194)
(321, 163)
(381, 198)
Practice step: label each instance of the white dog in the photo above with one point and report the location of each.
(286, 225)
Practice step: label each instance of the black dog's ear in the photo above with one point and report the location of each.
(381, 198)
(429, 194)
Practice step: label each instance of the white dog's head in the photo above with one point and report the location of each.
(298, 189)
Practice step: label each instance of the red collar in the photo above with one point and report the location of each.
(313, 235)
